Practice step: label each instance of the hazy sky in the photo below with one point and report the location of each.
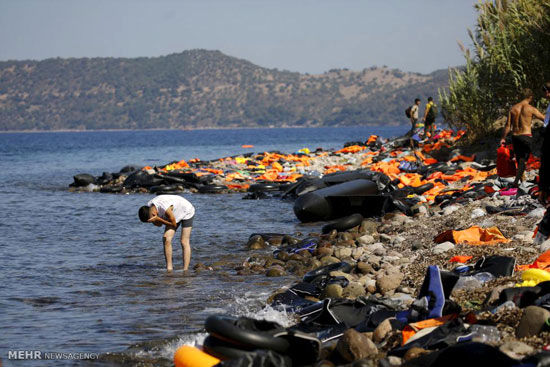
(298, 35)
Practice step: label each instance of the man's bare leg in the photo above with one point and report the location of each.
(169, 233)
(186, 246)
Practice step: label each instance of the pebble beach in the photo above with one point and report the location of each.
(389, 254)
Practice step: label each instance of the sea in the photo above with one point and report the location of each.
(83, 281)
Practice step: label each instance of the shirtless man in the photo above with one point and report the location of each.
(172, 211)
(519, 123)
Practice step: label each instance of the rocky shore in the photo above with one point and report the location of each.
(442, 197)
(390, 255)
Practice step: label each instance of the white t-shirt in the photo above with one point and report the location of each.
(182, 210)
(414, 111)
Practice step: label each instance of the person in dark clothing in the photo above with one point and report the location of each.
(544, 171)
(543, 228)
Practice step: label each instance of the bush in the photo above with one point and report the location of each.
(511, 50)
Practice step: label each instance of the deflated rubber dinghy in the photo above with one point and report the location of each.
(356, 196)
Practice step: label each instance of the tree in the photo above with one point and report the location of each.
(511, 49)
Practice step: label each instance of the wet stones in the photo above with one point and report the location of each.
(532, 321)
(354, 290)
(275, 271)
(333, 291)
(256, 242)
(354, 346)
(366, 239)
(342, 252)
(324, 251)
(388, 281)
(368, 226)
(365, 268)
(382, 331)
(516, 349)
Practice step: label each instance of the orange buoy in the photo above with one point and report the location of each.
(188, 356)
(247, 146)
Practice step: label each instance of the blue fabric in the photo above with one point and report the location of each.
(430, 301)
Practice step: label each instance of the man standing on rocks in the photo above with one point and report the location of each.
(415, 125)
(519, 122)
(171, 211)
(429, 118)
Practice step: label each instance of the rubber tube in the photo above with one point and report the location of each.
(314, 206)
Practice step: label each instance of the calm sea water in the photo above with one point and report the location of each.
(80, 273)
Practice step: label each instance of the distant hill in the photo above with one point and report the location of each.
(199, 89)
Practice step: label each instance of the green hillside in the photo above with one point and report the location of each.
(199, 89)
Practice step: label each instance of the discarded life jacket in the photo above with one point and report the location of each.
(506, 167)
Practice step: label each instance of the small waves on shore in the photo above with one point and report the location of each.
(81, 273)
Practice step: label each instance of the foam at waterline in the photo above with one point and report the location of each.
(253, 305)
(195, 340)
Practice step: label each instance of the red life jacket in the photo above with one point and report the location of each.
(506, 166)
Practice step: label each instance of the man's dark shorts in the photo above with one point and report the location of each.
(186, 223)
(522, 146)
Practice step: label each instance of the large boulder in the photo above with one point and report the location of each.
(354, 345)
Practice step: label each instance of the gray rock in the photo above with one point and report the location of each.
(532, 321)
(385, 238)
(370, 285)
(418, 246)
(389, 282)
(275, 271)
(357, 252)
(365, 268)
(516, 349)
(256, 242)
(327, 260)
(448, 210)
(324, 251)
(395, 361)
(414, 353)
(382, 330)
(422, 210)
(354, 290)
(366, 239)
(374, 247)
(443, 247)
(391, 259)
(478, 212)
(374, 260)
(333, 291)
(379, 252)
(368, 226)
(399, 240)
(342, 252)
(353, 346)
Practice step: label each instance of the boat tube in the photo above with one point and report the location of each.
(337, 201)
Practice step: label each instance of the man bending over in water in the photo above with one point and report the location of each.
(171, 211)
(519, 122)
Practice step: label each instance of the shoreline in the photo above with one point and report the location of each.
(390, 254)
(192, 129)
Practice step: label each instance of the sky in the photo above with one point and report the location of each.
(308, 36)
